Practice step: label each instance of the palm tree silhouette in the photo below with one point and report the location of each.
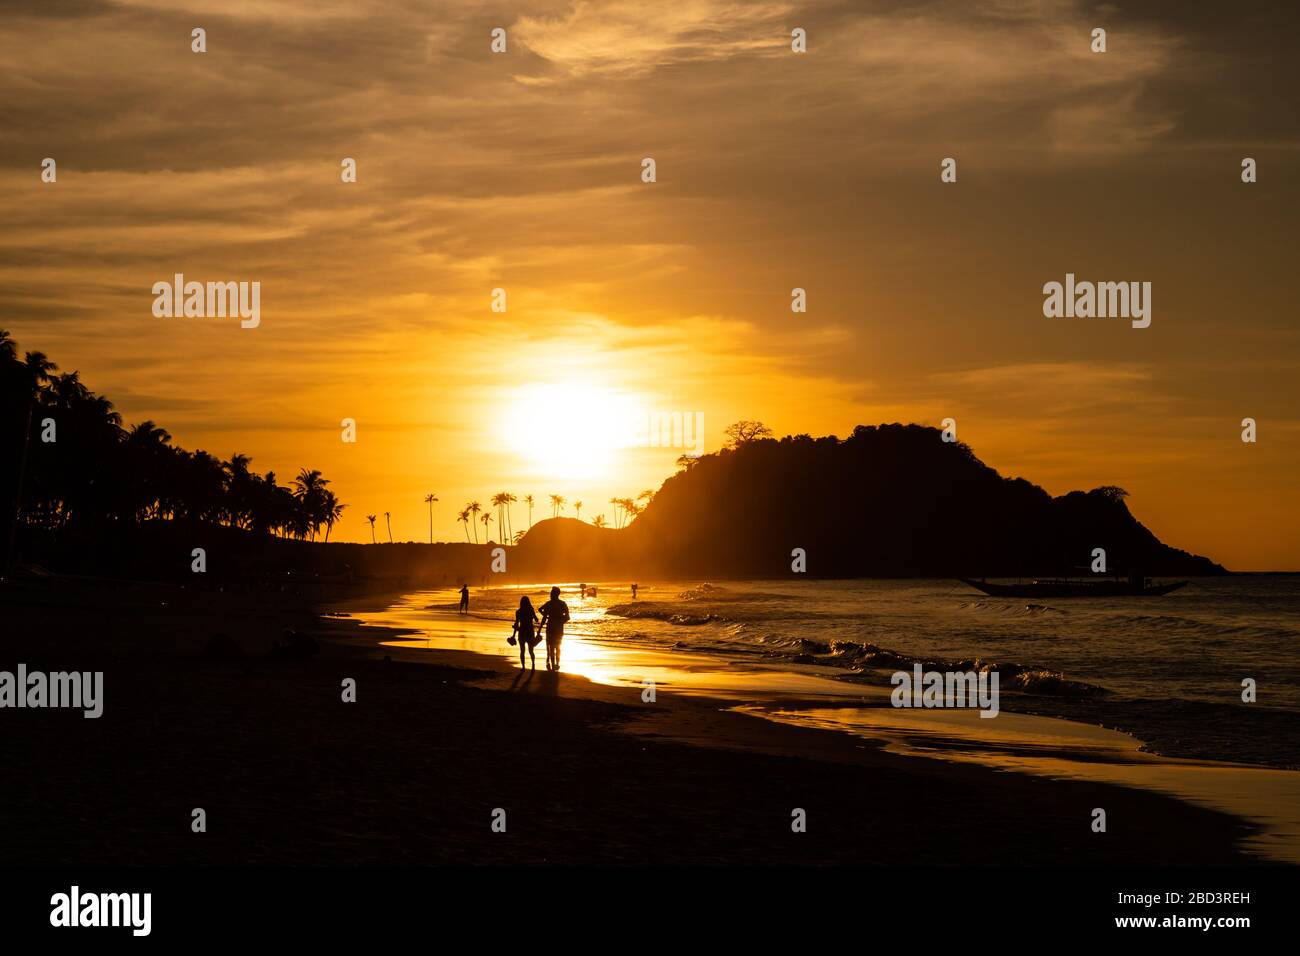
(577, 506)
(487, 520)
(529, 500)
(630, 510)
(474, 508)
(148, 445)
(429, 499)
(557, 505)
(510, 521)
(333, 512)
(309, 489)
(463, 518)
(371, 519)
(389, 521)
(37, 370)
(499, 502)
(138, 476)
(598, 521)
(616, 502)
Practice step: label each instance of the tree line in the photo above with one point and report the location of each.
(69, 461)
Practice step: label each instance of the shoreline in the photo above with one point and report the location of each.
(1119, 758)
(410, 773)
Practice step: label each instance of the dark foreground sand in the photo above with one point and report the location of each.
(412, 771)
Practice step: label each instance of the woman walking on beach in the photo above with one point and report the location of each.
(554, 614)
(525, 630)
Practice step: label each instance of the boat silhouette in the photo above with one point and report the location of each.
(1135, 586)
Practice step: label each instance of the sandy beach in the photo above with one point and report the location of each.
(1023, 742)
(440, 737)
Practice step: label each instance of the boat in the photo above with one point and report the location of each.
(1068, 587)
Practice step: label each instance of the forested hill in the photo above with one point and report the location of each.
(889, 500)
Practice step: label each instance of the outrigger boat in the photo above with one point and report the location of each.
(1066, 587)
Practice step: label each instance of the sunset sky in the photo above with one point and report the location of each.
(775, 170)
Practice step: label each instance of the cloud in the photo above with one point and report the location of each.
(776, 170)
(627, 38)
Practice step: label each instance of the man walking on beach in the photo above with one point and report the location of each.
(464, 599)
(554, 615)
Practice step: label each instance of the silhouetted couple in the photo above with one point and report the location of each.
(555, 613)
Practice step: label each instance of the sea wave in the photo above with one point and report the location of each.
(860, 657)
(1019, 607)
(659, 612)
(701, 591)
(864, 657)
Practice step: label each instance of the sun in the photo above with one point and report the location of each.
(569, 430)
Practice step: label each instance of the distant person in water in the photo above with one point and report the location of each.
(554, 615)
(464, 599)
(526, 630)
(634, 586)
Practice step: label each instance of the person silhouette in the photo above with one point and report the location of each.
(464, 599)
(554, 615)
(525, 619)
(634, 587)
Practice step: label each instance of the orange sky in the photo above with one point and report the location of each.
(775, 170)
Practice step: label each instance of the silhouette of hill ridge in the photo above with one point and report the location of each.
(888, 501)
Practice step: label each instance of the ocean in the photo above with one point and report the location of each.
(1168, 670)
(1139, 692)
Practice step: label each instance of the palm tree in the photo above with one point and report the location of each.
(309, 488)
(154, 459)
(598, 521)
(333, 512)
(577, 506)
(632, 509)
(499, 502)
(647, 496)
(389, 521)
(138, 476)
(429, 499)
(239, 488)
(557, 505)
(371, 519)
(487, 520)
(37, 368)
(529, 500)
(463, 518)
(510, 521)
(474, 508)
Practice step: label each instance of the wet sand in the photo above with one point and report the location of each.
(812, 697)
(438, 738)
